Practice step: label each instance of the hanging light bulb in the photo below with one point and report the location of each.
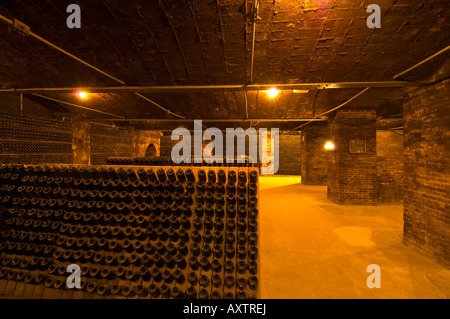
(273, 92)
(81, 94)
(329, 146)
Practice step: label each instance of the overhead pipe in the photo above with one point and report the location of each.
(23, 28)
(395, 76)
(334, 109)
(422, 62)
(221, 88)
(211, 120)
(254, 18)
(78, 106)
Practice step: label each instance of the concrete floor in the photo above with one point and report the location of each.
(313, 248)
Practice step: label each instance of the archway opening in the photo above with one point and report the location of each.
(151, 150)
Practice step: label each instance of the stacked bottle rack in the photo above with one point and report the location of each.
(167, 160)
(30, 139)
(135, 232)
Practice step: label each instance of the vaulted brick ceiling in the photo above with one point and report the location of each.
(208, 42)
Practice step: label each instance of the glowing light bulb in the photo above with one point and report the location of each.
(82, 95)
(273, 92)
(329, 145)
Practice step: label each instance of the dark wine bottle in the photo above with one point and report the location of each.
(252, 225)
(192, 278)
(193, 263)
(201, 176)
(231, 199)
(229, 282)
(190, 175)
(219, 211)
(242, 177)
(241, 252)
(203, 281)
(232, 177)
(221, 176)
(216, 266)
(217, 251)
(252, 202)
(242, 199)
(161, 175)
(252, 252)
(231, 211)
(205, 264)
(197, 224)
(218, 237)
(252, 267)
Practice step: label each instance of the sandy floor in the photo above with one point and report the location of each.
(313, 248)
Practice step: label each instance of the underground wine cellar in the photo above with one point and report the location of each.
(229, 149)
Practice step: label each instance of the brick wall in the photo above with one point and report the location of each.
(353, 176)
(427, 170)
(289, 152)
(142, 139)
(314, 157)
(389, 166)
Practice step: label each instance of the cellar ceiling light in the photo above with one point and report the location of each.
(81, 94)
(273, 92)
(329, 146)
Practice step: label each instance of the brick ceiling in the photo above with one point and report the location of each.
(208, 42)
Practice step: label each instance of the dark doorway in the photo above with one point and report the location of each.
(151, 150)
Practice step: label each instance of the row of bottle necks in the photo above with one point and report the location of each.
(161, 259)
(145, 273)
(131, 174)
(232, 208)
(155, 276)
(218, 234)
(168, 161)
(153, 290)
(45, 247)
(161, 228)
(87, 183)
(156, 256)
(156, 268)
(202, 194)
(48, 255)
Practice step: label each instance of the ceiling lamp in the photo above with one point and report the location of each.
(81, 94)
(273, 92)
(329, 146)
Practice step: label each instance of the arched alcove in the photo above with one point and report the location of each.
(151, 150)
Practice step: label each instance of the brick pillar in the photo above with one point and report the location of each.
(352, 167)
(427, 171)
(314, 156)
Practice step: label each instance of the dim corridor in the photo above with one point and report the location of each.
(313, 248)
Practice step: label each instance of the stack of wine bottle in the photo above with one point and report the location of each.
(135, 232)
(236, 161)
(30, 139)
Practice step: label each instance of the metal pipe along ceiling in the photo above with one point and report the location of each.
(221, 88)
(21, 27)
(367, 88)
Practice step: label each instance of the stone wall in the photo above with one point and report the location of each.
(352, 177)
(389, 166)
(314, 157)
(427, 170)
